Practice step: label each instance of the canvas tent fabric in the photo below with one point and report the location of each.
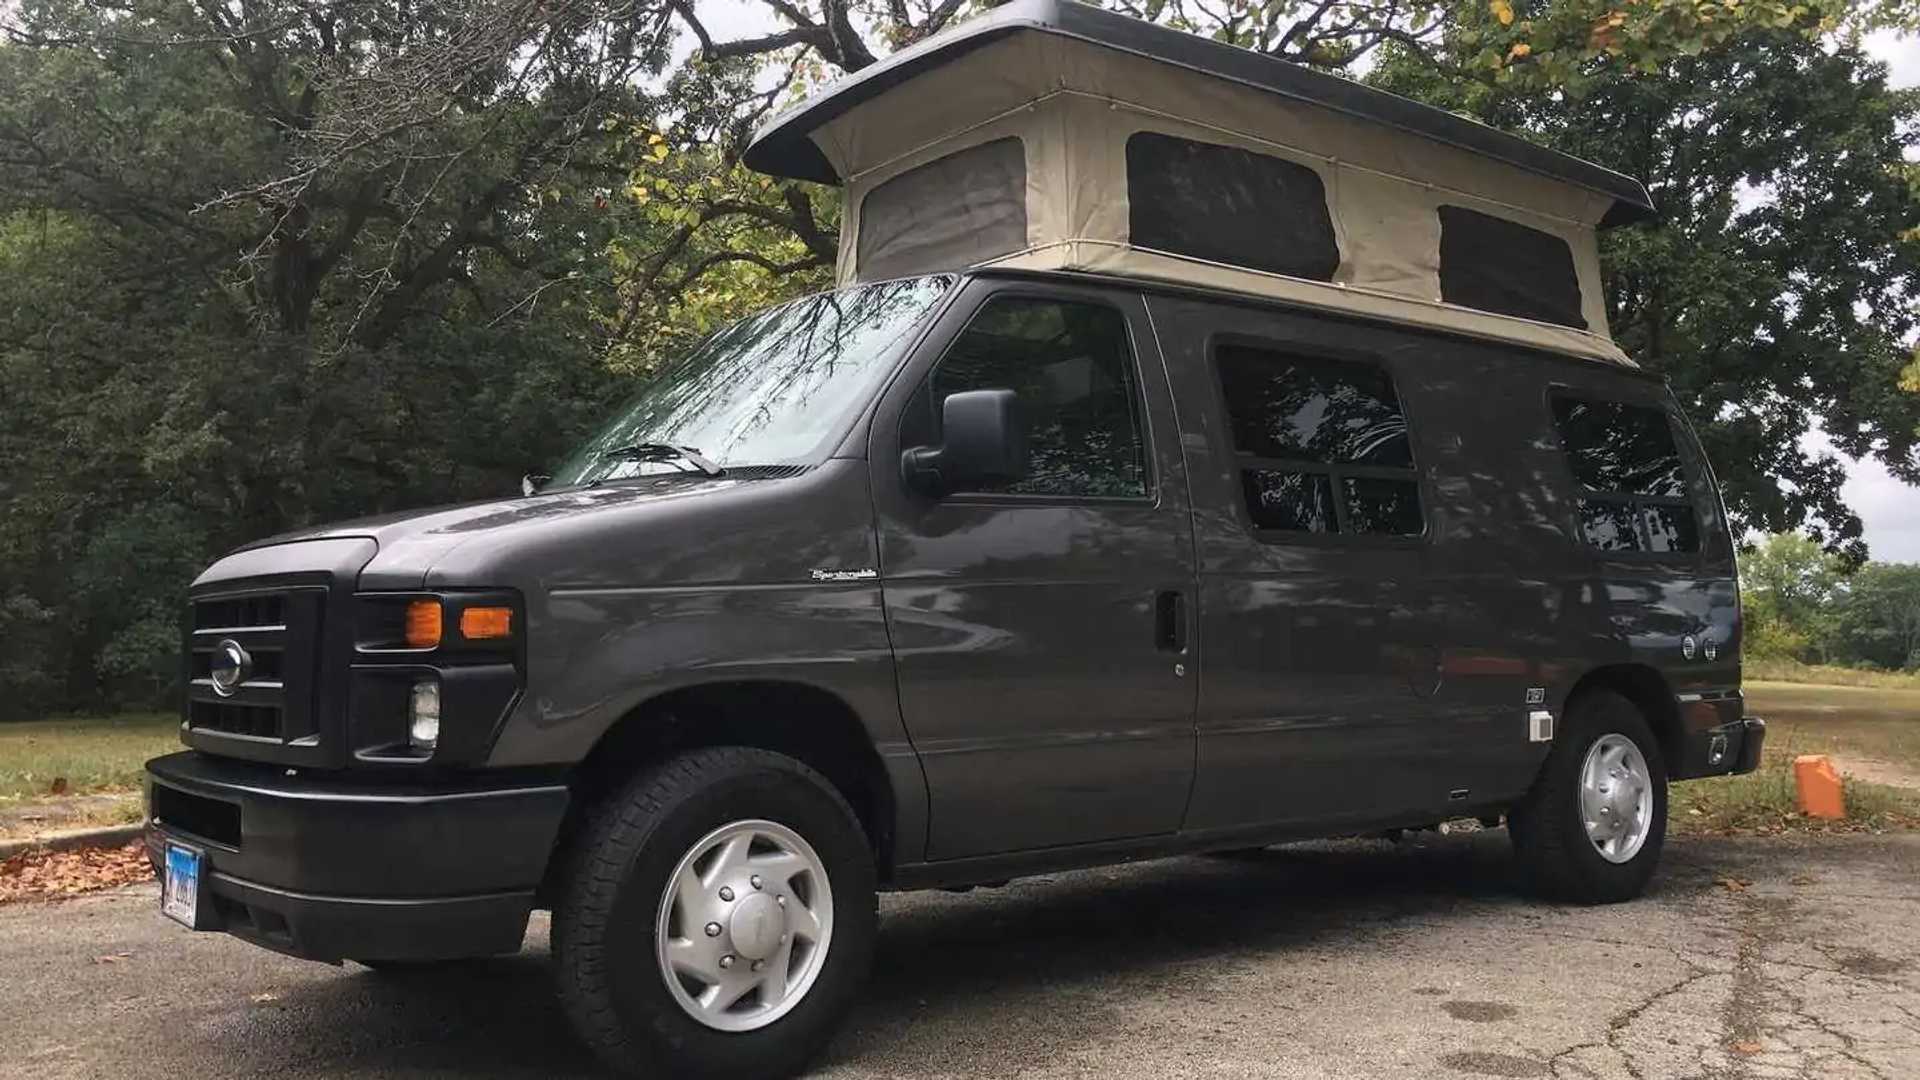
(1076, 102)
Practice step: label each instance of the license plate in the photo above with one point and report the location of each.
(180, 885)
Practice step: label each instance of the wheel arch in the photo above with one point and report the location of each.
(1650, 692)
(805, 722)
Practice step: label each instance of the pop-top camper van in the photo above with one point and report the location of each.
(1197, 452)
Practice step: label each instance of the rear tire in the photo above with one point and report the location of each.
(642, 903)
(1591, 829)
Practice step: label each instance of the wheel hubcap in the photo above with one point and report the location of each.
(744, 925)
(1616, 798)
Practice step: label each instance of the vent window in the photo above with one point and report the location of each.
(1229, 205)
(948, 214)
(1503, 266)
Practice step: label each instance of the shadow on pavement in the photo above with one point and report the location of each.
(957, 977)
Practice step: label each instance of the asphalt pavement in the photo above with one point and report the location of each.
(1749, 959)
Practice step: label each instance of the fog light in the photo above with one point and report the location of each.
(1716, 749)
(423, 715)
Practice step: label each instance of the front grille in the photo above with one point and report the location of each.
(279, 629)
(260, 611)
(253, 721)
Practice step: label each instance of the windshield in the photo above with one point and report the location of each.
(767, 390)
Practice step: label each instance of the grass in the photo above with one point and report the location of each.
(1779, 669)
(93, 754)
(1872, 734)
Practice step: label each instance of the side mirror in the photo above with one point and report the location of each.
(985, 443)
(533, 482)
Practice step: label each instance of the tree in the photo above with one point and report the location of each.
(1788, 585)
(1877, 619)
(193, 353)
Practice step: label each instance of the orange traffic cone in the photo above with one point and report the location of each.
(1819, 785)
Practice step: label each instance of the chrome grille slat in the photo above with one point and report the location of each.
(278, 628)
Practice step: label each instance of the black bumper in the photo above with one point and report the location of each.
(1753, 737)
(332, 868)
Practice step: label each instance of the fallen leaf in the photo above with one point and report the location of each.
(41, 874)
(1733, 884)
(58, 787)
(1748, 1047)
(265, 998)
(1804, 879)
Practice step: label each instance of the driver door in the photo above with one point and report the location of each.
(1042, 629)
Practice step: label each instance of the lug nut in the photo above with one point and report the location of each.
(713, 929)
(726, 893)
(726, 961)
(781, 900)
(758, 964)
(754, 881)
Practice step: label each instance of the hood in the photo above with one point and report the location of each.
(411, 542)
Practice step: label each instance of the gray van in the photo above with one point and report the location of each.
(1158, 480)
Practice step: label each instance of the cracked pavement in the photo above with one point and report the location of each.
(1750, 959)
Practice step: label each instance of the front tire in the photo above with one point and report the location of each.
(718, 919)
(1591, 829)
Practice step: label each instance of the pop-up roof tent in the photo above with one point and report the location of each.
(1051, 135)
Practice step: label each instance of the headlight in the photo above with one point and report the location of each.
(423, 715)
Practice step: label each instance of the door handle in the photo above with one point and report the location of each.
(1170, 620)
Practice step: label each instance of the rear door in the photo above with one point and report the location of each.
(1318, 622)
(1041, 629)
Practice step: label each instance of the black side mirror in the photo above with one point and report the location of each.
(984, 443)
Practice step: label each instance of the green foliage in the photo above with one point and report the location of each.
(1787, 586)
(1878, 622)
(1800, 604)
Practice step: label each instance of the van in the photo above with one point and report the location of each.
(1197, 453)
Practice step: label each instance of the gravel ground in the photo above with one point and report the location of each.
(1750, 959)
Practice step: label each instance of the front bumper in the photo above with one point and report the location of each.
(333, 868)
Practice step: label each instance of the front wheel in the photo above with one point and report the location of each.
(719, 918)
(1592, 828)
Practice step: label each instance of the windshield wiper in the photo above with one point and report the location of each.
(680, 456)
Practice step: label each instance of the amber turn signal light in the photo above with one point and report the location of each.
(486, 623)
(423, 624)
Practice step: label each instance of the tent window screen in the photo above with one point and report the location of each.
(1229, 205)
(1633, 491)
(951, 213)
(1503, 266)
(1321, 444)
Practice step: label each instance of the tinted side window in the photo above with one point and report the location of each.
(1072, 366)
(1322, 444)
(1633, 489)
(1498, 265)
(1229, 205)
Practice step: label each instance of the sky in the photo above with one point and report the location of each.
(1889, 509)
